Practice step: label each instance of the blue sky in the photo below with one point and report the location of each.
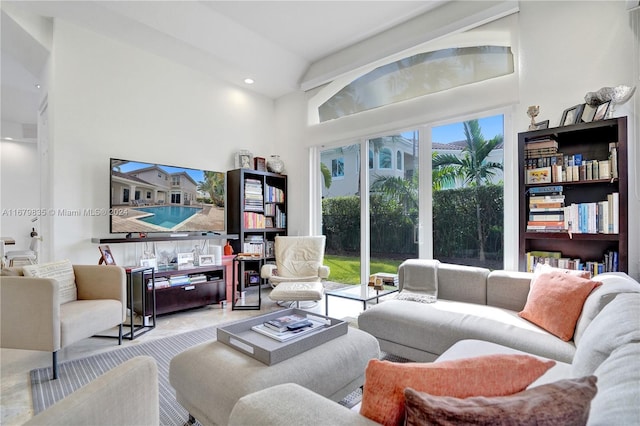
(490, 126)
(196, 175)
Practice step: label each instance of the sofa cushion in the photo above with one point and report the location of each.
(555, 302)
(508, 289)
(491, 375)
(462, 283)
(618, 399)
(430, 329)
(62, 271)
(563, 403)
(613, 283)
(616, 325)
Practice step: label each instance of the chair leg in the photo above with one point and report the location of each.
(55, 365)
(120, 334)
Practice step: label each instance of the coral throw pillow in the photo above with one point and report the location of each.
(555, 302)
(490, 375)
(562, 403)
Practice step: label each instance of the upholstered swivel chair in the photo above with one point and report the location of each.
(29, 256)
(33, 318)
(298, 259)
(298, 270)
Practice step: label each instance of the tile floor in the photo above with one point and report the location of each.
(15, 392)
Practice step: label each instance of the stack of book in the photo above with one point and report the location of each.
(177, 280)
(546, 209)
(288, 327)
(253, 199)
(159, 282)
(198, 278)
(543, 164)
(253, 244)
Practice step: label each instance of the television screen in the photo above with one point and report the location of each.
(151, 198)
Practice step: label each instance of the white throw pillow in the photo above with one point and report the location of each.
(61, 271)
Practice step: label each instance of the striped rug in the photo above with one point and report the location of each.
(74, 374)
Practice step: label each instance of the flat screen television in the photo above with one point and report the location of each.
(155, 198)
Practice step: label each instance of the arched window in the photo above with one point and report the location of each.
(418, 75)
(385, 159)
(399, 160)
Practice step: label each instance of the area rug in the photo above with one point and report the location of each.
(77, 373)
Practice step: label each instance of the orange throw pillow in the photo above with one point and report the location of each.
(555, 302)
(490, 375)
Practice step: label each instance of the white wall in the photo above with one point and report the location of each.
(108, 99)
(565, 49)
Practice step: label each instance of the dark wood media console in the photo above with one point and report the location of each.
(191, 293)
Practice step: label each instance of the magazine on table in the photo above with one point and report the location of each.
(283, 336)
(281, 324)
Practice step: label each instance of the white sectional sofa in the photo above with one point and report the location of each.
(477, 314)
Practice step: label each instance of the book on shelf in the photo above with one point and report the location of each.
(608, 263)
(613, 157)
(546, 190)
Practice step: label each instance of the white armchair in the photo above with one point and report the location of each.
(297, 259)
(33, 318)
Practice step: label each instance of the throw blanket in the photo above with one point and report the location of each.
(419, 276)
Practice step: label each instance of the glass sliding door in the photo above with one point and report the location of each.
(468, 193)
(393, 200)
(341, 191)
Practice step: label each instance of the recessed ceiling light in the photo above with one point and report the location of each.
(248, 80)
(8, 139)
(38, 85)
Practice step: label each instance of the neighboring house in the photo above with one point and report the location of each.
(388, 156)
(152, 185)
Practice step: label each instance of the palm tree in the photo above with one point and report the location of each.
(473, 167)
(326, 175)
(213, 186)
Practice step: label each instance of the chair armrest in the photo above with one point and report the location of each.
(266, 271)
(290, 404)
(127, 394)
(30, 313)
(324, 271)
(101, 282)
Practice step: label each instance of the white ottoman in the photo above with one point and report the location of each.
(297, 292)
(211, 377)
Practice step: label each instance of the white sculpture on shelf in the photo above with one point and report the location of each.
(618, 95)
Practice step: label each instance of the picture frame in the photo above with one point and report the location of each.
(185, 260)
(260, 164)
(542, 125)
(149, 263)
(571, 115)
(588, 112)
(601, 111)
(244, 160)
(207, 259)
(106, 256)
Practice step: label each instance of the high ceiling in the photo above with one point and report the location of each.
(272, 42)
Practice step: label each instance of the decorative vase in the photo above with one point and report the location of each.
(228, 250)
(275, 164)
